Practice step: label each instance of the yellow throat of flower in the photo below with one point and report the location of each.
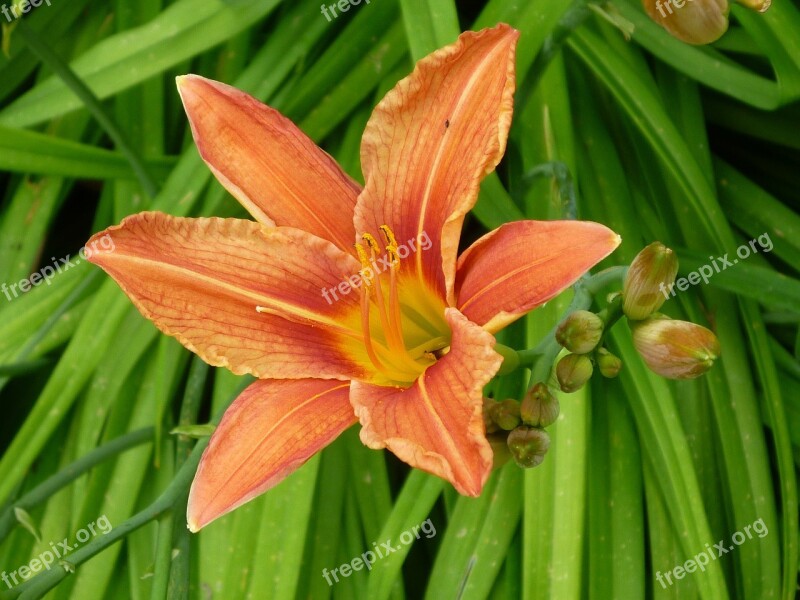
(401, 358)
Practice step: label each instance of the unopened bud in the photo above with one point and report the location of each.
(648, 281)
(691, 21)
(757, 5)
(573, 371)
(675, 349)
(580, 332)
(608, 364)
(500, 451)
(506, 414)
(528, 445)
(540, 407)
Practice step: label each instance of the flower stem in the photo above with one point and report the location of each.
(47, 580)
(71, 472)
(541, 357)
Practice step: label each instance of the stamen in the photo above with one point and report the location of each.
(372, 243)
(400, 359)
(368, 338)
(394, 336)
(365, 266)
(394, 302)
(388, 234)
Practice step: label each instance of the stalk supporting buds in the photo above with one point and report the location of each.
(653, 270)
(528, 445)
(580, 332)
(675, 349)
(573, 371)
(540, 407)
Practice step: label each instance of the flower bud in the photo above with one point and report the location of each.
(648, 280)
(500, 451)
(675, 349)
(580, 332)
(608, 364)
(506, 414)
(573, 371)
(540, 407)
(528, 445)
(691, 21)
(757, 5)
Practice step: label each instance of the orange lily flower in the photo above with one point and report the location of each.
(394, 331)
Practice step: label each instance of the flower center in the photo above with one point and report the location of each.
(400, 358)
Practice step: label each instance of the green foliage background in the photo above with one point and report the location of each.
(695, 146)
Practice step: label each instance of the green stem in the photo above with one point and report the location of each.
(38, 586)
(546, 351)
(585, 290)
(71, 472)
(158, 589)
(80, 89)
(176, 492)
(179, 565)
(192, 398)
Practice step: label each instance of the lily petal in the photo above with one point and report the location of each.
(522, 265)
(437, 425)
(429, 143)
(200, 280)
(269, 165)
(270, 430)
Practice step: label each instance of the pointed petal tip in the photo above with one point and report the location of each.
(193, 526)
(194, 518)
(189, 87)
(270, 431)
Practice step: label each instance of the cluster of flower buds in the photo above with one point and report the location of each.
(516, 430)
(672, 348)
(581, 333)
(696, 21)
